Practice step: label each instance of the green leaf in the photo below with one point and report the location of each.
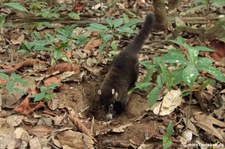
(147, 64)
(153, 96)
(180, 41)
(192, 55)
(74, 16)
(124, 29)
(10, 86)
(52, 86)
(189, 75)
(218, 3)
(2, 21)
(169, 130)
(174, 56)
(15, 76)
(109, 22)
(142, 85)
(97, 27)
(202, 48)
(165, 74)
(167, 143)
(16, 6)
(106, 39)
(82, 40)
(131, 23)
(216, 73)
(117, 23)
(114, 46)
(203, 62)
(177, 76)
(4, 76)
(38, 97)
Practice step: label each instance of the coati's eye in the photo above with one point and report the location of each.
(99, 92)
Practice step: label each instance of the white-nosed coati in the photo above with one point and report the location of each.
(123, 73)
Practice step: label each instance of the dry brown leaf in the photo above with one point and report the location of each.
(205, 100)
(24, 107)
(6, 134)
(93, 43)
(207, 123)
(63, 67)
(54, 103)
(35, 143)
(39, 130)
(9, 101)
(17, 40)
(0, 102)
(80, 126)
(171, 100)
(14, 120)
(75, 140)
(49, 81)
(121, 128)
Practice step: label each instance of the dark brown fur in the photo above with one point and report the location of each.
(123, 73)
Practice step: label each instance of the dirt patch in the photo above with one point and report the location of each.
(139, 125)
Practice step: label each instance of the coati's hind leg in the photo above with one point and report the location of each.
(134, 76)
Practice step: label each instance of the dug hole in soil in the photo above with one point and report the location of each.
(139, 125)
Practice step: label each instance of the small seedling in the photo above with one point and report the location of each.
(167, 143)
(114, 29)
(46, 93)
(11, 81)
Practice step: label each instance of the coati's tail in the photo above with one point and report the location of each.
(138, 41)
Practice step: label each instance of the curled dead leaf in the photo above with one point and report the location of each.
(75, 140)
(81, 127)
(93, 43)
(171, 100)
(63, 67)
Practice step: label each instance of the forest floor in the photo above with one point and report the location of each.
(63, 118)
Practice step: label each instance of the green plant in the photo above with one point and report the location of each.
(114, 29)
(167, 143)
(11, 81)
(57, 42)
(175, 68)
(46, 93)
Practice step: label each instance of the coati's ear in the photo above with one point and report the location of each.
(113, 91)
(99, 92)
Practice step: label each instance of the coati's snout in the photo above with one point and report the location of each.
(110, 103)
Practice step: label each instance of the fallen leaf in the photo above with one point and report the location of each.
(75, 140)
(208, 123)
(14, 120)
(49, 81)
(93, 43)
(21, 133)
(39, 130)
(35, 143)
(121, 128)
(6, 134)
(17, 39)
(0, 102)
(171, 100)
(80, 126)
(63, 67)
(91, 62)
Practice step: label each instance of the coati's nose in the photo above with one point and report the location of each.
(109, 115)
